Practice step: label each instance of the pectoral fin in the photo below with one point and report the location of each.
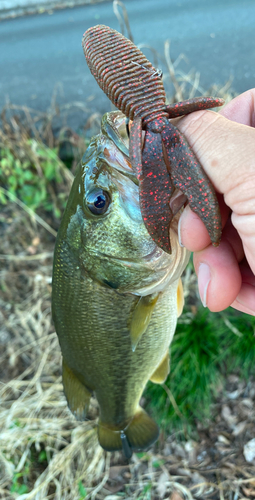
(180, 298)
(77, 395)
(161, 373)
(141, 317)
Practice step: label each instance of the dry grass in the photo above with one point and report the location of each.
(34, 415)
(44, 452)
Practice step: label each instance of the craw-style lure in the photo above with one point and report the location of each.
(165, 165)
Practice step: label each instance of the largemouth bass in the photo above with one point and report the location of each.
(116, 295)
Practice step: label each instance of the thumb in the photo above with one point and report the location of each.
(226, 150)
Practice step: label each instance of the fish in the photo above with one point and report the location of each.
(116, 295)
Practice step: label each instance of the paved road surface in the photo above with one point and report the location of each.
(38, 52)
(14, 8)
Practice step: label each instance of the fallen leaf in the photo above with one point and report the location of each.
(116, 471)
(32, 250)
(114, 488)
(228, 416)
(161, 486)
(112, 497)
(190, 448)
(249, 451)
(175, 496)
(223, 439)
(35, 241)
(234, 394)
(200, 482)
(239, 428)
(248, 492)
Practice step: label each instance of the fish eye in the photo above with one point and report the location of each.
(98, 201)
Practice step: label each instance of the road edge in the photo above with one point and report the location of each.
(42, 8)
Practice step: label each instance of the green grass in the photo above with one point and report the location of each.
(18, 486)
(82, 491)
(33, 172)
(35, 164)
(205, 349)
(206, 346)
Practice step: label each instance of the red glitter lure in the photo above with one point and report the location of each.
(165, 162)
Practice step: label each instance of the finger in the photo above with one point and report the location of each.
(191, 230)
(247, 275)
(219, 276)
(241, 109)
(225, 149)
(227, 152)
(245, 300)
(245, 225)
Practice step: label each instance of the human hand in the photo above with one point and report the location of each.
(224, 143)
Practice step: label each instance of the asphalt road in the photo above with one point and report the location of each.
(40, 53)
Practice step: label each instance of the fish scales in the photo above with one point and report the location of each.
(115, 295)
(125, 372)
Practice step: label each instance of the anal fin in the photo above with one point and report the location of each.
(141, 317)
(77, 395)
(161, 373)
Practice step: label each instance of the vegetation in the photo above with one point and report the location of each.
(205, 349)
(33, 182)
(44, 451)
(31, 162)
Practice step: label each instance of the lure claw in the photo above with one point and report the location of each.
(166, 160)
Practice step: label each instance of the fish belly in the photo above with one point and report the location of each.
(93, 326)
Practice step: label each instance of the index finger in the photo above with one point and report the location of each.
(241, 109)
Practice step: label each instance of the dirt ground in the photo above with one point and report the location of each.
(46, 453)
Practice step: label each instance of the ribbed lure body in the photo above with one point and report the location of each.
(165, 164)
(124, 73)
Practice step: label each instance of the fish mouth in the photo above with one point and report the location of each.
(158, 269)
(154, 255)
(156, 252)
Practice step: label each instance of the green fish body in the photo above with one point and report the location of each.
(116, 295)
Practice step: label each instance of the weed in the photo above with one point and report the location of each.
(240, 342)
(60, 453)
(42, 457)
(34, 177)
(146, 492)
(19, 481)
(158, 463)
(82, 491)
(204, 350)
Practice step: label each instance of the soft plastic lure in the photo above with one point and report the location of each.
(165, 164)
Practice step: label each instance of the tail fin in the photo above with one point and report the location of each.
(138, 435)
(142, 431)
